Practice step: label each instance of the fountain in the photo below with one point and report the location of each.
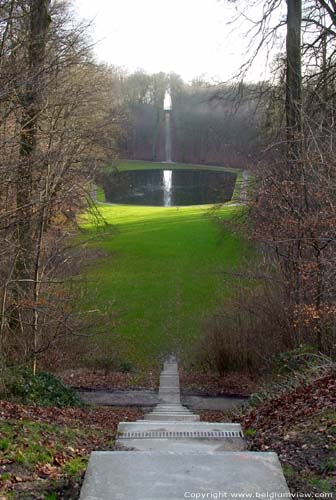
(167, 186)
(167, 174)
(167, 107)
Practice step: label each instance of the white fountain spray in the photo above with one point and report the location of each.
(167, 174)
(167, 107)
(167, 187)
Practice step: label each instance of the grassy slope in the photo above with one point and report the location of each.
(44, 451)
(162, 275)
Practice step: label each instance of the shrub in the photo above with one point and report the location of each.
(246, 332)
(43, 389)
(256, 325)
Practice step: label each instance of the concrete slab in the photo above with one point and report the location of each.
(171, 408)
(176, 409)
(172, 417)
(169, 377)
(149, 475)
(152, 426)
(170, 366)
(169, 397)
(169, 384)
(169, 388)
(170, 370)
(170, 413)
(200, 445)
(197, 437)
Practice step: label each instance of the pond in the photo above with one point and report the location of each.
(169, 187)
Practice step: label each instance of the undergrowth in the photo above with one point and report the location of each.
(20, 385)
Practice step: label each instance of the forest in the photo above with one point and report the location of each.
(85, 291)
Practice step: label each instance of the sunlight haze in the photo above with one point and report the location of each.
(189, 37)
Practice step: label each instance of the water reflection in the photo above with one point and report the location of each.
(169, 187)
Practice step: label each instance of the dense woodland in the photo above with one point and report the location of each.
(63, 117)
(210, 124)
(55, 128)
(66, 120)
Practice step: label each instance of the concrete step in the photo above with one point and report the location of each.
(172, 417)
(168, 410)
(170, 376)
(170, 399)
(176, 456)
(171, 410)
(150, 475)
(143, 426)
(201, 445)
(169, 405)
(197, 437)
(163, 410)
(171, 413)
(168, 389)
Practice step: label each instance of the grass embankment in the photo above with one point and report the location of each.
(44, 451)
(162, 274)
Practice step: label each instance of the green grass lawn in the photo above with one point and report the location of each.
(161, 276)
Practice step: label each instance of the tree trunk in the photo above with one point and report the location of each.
(31, 100)
(294, 80)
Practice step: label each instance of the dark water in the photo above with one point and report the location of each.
(169, 187)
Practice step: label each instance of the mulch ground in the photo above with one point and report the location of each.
(300, 426)
(102, 417)
(232, 384)
(85, 378)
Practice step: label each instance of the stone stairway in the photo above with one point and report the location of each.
(174, 456)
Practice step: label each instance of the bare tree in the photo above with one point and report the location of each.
(58, 122)
(294, 79)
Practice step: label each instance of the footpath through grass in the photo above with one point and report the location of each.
(161, 276)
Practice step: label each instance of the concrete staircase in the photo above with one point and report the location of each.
(175, 456)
